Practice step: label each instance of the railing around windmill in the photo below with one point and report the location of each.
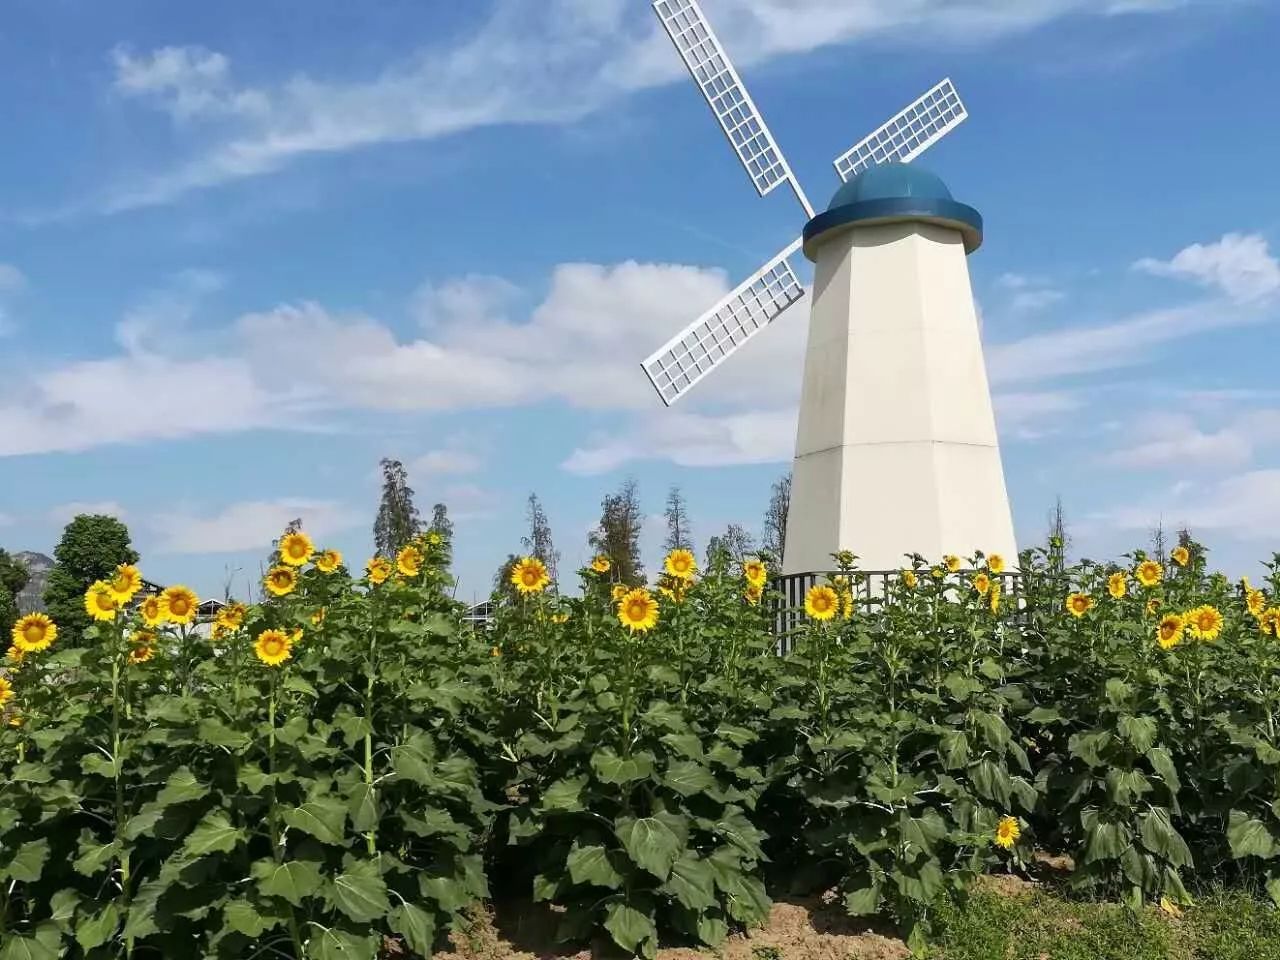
(872, 589)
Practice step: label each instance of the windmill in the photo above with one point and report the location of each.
(896, 448)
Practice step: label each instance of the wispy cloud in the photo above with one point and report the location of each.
(1239, 265)
(1245, 506)
(530, 62)
(247, 525)
(64, 513)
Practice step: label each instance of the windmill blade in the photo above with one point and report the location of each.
(723, 90)
(696, 350)
(909, 134)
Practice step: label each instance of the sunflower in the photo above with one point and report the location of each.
(673, 588)
(99, 603)
(296, 549)
(1007, 832)
(680, 564)
(1180, 555)
(755, 572)
(844, 589)
(951, 562)
(994, 597)
(1169, 631)
(317, 618)
(638, 611)
(179, 604)
(329, 561)
(280, 581)
(1117, 584)
(378, 569)
(618, 592)
(1153, 607)
(1255, 601)
(495, 652)
(995, 563)
(272, 647)
(15, 654)
(909, 579)
(434, 539)
(1078, 604)
(1269, 621)
(753, 593)
(559, 618)
(231, 617)
(1204, 622)
(152, 610)
(14, 719)
(530, 575)
(1149, 573)
(601, 564)
(409, 562)
(937, 573)
(821, 602)
(141, 654)
(981, 583)
(124, 583)
(33, 633)
(6, 691)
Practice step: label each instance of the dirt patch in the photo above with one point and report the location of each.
(798, 929)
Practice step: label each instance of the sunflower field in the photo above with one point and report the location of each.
(343, 769)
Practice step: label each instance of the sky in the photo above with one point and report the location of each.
(245, 254)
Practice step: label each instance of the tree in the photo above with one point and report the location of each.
(1058, 537)
(1159, 549)
(440, 522)
(734, 544)
(293, 526)
(13, 577)
(775, 518)
(397, 522)
(92, 546)
(538, 543)
(679, 530)
(618, 535)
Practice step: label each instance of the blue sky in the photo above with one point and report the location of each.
(244, 254)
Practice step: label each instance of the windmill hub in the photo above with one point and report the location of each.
(892, 193)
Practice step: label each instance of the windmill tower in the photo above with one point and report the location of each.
(896, 448)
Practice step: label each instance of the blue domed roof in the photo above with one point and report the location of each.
(891, 181)
(892, 193)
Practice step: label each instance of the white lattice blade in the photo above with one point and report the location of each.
(724, 92)
(908, 134)
(699, 348)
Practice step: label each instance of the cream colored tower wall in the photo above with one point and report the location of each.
(896, 448)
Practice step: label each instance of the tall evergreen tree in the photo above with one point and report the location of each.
(397, 522)
(679, 528)
(775, 518)
(441, 524)
(618, 535)
(1159, 546)
(293, 526)
(539, 543)
(735, 544)
(92, 546)
(1059, 539)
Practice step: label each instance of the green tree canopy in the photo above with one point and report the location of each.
(397, 522)
(13, 577)
(92, 546)
(618, 535)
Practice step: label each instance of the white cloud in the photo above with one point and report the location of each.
(11, 278)
(1021, 414)
(532, 61)
(693, 440)
(1239, 265)
(1245, 506)
(248, 525)
(64, 513)
(1028, 294)
(1174, 440)
(445, 461)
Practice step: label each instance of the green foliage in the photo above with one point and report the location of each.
(92, 546)
(397, 521)
(618, 534)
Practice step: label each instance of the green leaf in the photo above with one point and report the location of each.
(330, 943)
(687, 778)
(651, 844)
(1118, 691)
(991, 781)
(725, 756)
(712, 930)
(30, 773)
(363, 807)
(181, 787)
(1105, 841)
(98, 929)
(613, 769)
(1139, 731)
(213, 834)
(361, 893)
(292, 880)
(1162, 763)
(31, 948)
(411, 761)
(1159, 836)
(28, 863)
(564, 795)
(864, 902)
(631, 929)
(1089, 746)
(685, 744)
(417, 926)
(954, 750)
(591, 864)
(994, 730)
(1140, 869)
(747, 900)
(692, 882)
(1249, 837)
(1273, 890)
(1045, 715)
(1126, 786)
(62, 908)
(243, 917)
(445, 891)
(218, 734)
(322, 817)
(94, 858)
(920, 881)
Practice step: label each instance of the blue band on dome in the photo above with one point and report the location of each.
(947, 213)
